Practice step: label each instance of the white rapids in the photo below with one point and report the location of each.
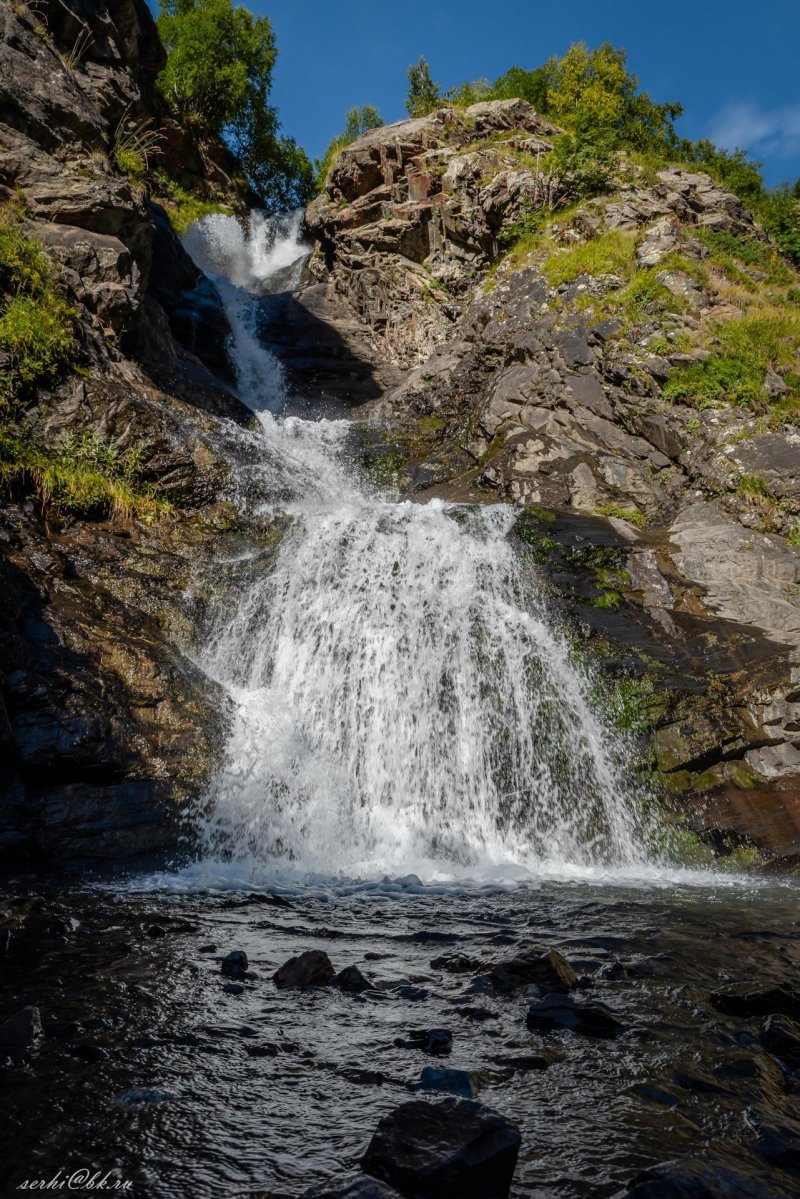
(403, 701)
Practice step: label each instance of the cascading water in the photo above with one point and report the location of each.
(403, 702)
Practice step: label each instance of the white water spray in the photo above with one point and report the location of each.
(403, 703)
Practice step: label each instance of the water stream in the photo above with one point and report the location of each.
(404, 702)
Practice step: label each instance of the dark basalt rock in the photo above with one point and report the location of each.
(20, 1031)
(714, 1178)
(310, 969)
(748, 1000)
(561, 1011)
(351, 979)
(456, 1149)
(436, 1041)
(550, 971)
(466, 1083)
(781, 1036)
(235, 964)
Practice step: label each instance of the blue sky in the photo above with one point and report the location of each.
(733, 65)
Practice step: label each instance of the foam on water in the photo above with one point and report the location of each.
(402, 701)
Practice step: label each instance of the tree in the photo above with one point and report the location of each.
(357, 122)
(592, 94)
(519, 84)
(219, 67)
(423, 94)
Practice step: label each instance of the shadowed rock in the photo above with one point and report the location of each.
(456, 1149)
(310, 969)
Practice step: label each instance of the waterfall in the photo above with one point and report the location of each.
(403, 700)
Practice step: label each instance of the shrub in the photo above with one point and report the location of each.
(184, 207)
(84, 475)
(35, 320)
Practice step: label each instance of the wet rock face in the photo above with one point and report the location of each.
(310, 969)
(456, 1149)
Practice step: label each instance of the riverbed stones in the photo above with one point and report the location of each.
(557, 1011)
(310, 969)
(436, 1041)
(455, 1149)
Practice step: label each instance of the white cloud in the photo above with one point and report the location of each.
(768, 133)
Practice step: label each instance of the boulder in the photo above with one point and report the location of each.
(455, 1149)
(351, 979)
(235, 964)
(310, 969)
(747, 999)
(549, 971)
(436, 1041)
(710, 1177)
(781, 1036)
(20, 1031)
(562, 1012)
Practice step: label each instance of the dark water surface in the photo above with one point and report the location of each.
(151, 1069)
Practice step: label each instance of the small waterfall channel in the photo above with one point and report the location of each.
(403, 701)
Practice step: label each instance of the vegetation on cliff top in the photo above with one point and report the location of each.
(357, 122)
(220, 59)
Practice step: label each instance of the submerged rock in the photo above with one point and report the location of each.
(561, 1011)
(748, 1000)
(466, 1083)
(714, 1178)
(20, 1031)
(781, 1036)
(456, 1149)
(353, 1186)
(436, 1041)
(310, 969)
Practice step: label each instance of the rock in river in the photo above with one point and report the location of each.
(455, 1082)
(20, 1031)
(310, 969)
(710, 1178)
(561, 1011)
(353, 1186)
(456, 1149)
(748, 1000)
(351, 979)
(235, 964)
(550, 971)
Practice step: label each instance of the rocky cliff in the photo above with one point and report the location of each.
(624, 367)
(104, 723)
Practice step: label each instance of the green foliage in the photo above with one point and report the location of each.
(83, 475)
(184, 207)
(745, 350)
(220, 59)
(630, 514)
(357, 122)
(423, 94)
(592, 93)
(612, 253)
(634, 705)
(35, 320)
(517, 83)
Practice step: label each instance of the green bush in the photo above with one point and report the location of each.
(184, 207)
(36, 330)
(84, 475)
(612, 253)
